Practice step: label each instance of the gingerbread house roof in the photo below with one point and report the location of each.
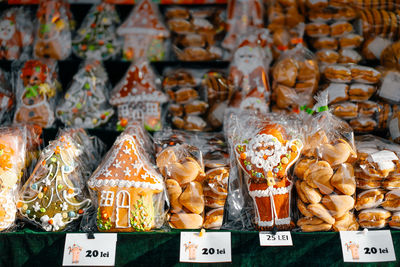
(144, 19)
(125, 166)
(137, 85)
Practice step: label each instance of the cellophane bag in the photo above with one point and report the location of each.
(378, 182)
(53, 36)
(127, 190)
(35, 88)
(55, 195)
(138, 98)
(14, 148)
(248, 72)
(144, 33)
(216, 163)
(262, 150)
(183, 170)
(96, 37)
(7, 100)
(325, 181)
(16, 34)
(242, 14)
(295, 78)
(85, 102)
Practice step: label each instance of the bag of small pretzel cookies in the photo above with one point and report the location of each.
(216, 164)
(262, 150)
(378, 182)
(325, 181)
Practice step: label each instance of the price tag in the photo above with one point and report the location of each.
(210, 247)
(283, 238)
(81, 251)
(371, 246)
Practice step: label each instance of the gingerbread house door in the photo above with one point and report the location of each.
(123, 209)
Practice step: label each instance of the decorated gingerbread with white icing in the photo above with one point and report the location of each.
(138, 98)
(266, 158)
(35, 92)
(144, 33)
(127, 185)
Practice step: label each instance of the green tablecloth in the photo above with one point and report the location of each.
(28, 248)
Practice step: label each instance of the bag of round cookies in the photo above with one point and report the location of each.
(325, 183)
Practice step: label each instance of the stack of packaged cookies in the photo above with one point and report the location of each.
(378, 182)
(326, 184)
(350, 87)
(196, 33)
(332, 33)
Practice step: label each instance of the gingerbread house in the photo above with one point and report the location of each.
(138, 98)
(126, 183)
(143, 33)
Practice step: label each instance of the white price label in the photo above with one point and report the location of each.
(210, 247)
(81, 251)
(283, 238)
(371, 246)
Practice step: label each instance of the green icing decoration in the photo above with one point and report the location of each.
(140, 220)
(101, 224)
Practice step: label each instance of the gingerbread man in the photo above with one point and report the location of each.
(76, 251)
(192, 250)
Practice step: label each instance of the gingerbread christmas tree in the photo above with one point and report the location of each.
(138, 98)
(144, 33)
(96, 38)
(54, 196)
(85, 103)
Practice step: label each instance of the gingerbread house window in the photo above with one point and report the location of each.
(137, 114)
(152, 108)
(106, 198)
(123, 209)
(124, 111)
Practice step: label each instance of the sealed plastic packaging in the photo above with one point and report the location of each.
(183, 171)
(198, 98)
(390, 56)
(378, 182)
(138, 97)
(85, 102)
(144, 33)
(97, 38)
(295, 78)
(326, 184)
(216, 163)
(248, 73)
(55, 195)
(53, 36)
(16, 33)
(262, 150)
(128, 189)
(35, 92)
(7, 100)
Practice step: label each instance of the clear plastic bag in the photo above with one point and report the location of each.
(138, 97)
(216, 164)
(96, 38)
(16, 33)
(85, 102)
(378, 180)
(129, 191)
(55, 195)
(35, 92)
(7, 100)
(53, 36)
(262, 150)
(144, 33)
(326, 184)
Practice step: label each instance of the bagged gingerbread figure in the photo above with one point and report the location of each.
(260, 185)
(16, 33)
(249, 75)
(326, 184)
(55, 195)
(53, 36)
(127, 187)
(35, 88)
(144, 33)
(97, 37)
(85, 102)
